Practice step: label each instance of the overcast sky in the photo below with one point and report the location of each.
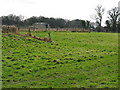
(66, 9)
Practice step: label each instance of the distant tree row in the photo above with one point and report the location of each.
(53, 22)
(112, 24)
(12, 20)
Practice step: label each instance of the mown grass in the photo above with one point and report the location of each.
(72, 60)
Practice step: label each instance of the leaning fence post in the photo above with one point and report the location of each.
(49, 36)
(29, 32)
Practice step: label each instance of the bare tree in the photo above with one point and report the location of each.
(118, 25)
(113, 17)
(98, 16)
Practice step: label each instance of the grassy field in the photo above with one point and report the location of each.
(72, 60)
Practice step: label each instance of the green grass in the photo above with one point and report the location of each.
(72, 60)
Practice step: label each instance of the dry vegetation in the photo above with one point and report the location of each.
(9, 29)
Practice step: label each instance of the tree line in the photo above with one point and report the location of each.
(112, 24)
(53, 22)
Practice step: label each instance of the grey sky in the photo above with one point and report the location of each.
(67, 9)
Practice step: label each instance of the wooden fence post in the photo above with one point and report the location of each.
(49, 36)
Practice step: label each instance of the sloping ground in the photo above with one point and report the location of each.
(72, 60)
